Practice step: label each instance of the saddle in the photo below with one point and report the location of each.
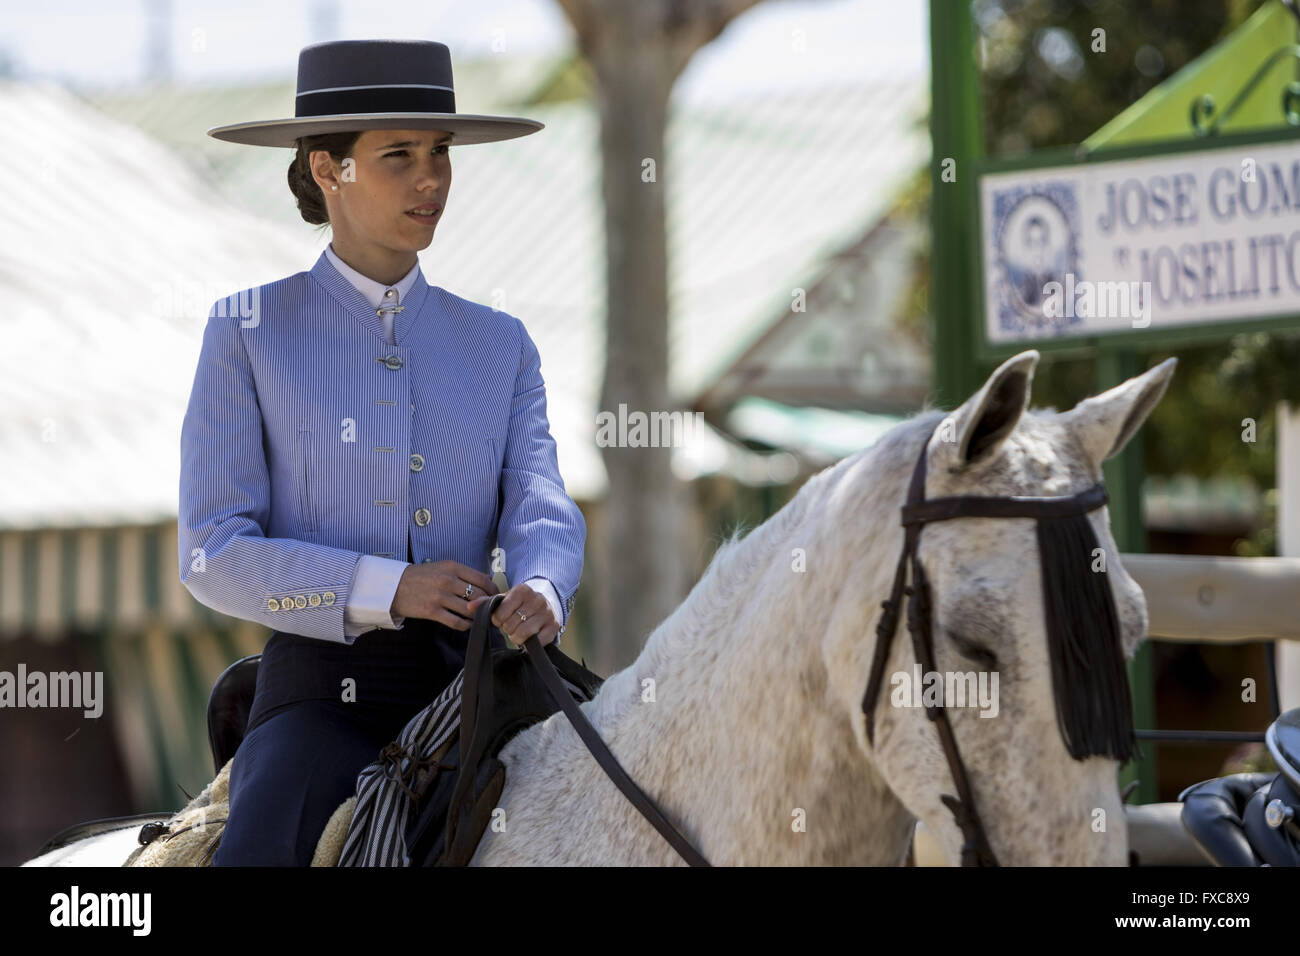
(1251, 819)
(229, 705)
(431, 794)
(501, 693)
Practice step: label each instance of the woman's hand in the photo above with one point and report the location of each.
(435, 591)
(537, 617)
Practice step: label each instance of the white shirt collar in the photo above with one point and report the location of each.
(373, 291)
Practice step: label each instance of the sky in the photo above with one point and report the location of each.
(775, 45)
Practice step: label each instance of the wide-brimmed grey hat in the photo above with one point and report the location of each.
(346, 85)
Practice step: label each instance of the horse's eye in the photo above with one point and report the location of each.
(976, 652)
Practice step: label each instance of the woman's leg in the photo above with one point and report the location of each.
(290, 774)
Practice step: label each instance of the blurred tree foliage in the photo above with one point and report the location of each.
(1044, 87)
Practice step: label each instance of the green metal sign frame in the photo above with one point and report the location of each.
(1074, 157)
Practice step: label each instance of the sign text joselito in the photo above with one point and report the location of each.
(1156, 243)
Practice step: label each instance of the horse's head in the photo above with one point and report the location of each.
(995, 637)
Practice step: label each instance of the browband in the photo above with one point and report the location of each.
(979, 506)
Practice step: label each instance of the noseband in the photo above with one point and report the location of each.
(917, 512)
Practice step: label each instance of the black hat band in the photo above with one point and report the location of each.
(376, 99)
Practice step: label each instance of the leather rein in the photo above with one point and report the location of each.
(916, 513)
(613, 769)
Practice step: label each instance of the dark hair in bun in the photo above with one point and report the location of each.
(311, 201)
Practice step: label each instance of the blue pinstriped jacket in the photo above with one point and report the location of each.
(309, 441)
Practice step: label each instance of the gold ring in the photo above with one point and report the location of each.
(522, 615)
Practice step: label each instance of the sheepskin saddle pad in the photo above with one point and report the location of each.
(190, 837)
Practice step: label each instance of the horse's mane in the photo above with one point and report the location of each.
(743, 554)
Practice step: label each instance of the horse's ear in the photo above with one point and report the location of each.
(982, 423)
(1105, 423)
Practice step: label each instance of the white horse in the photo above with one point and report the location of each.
(742, 716)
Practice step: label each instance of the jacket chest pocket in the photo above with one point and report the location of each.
(305, 475)
(481, 475)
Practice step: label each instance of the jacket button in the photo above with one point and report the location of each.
(328, 597)
(423, 516)
(417, 463)
(272, 604)
(313, 599)
(300, 600)
(394, 362)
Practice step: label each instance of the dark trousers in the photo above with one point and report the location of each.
(322, 712)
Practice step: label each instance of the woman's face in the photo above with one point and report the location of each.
(382, 186)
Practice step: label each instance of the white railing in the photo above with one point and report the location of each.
(1216, 600)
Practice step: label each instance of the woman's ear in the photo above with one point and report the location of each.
(323, 171)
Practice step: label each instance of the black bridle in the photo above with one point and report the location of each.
(917, 512)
